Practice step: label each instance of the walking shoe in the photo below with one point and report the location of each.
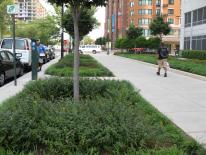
(165, 75)
(158, 73)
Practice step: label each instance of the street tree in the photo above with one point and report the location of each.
(159, 27)
(134, 32)
(76, 6)
(87, 40)
(87, 22)
(101, 41)
(44, 29)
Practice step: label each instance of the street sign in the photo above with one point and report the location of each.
(13, 9)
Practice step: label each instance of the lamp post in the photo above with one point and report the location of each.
(62, 32)
(14, 49)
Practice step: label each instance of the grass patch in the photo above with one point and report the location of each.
(188, 65)
(89, 67)
(42, 119)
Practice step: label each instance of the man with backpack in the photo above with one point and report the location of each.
(162, 59)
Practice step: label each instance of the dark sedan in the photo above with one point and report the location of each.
(7, 66)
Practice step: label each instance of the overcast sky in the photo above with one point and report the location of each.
(100, 15)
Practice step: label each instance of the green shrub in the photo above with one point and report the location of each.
(194, 54)
(44, 119)
(88, 67)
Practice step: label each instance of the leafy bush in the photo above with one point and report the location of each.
(192, 54)
(88, 67)
(189, 65)
(43, 119)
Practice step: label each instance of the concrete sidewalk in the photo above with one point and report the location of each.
(9, 90)
(181, 98)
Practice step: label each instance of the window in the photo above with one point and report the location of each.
(199, 16)
(158, 2)
(131, 4)
(20, 44)
(7, 44)
(146, 32)
(158, 12)
(199, 42)
(170, 20)
(144, 21)
(145, 11)
(187, 43)
(145, 2)
(171, 11)
(132, 13)
(171, 1)
(188, 19)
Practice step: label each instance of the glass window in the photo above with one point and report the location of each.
(20, 44)
(7, 44)
(170, 20)
(158, 12)
(145, 2)
(170, 11)
(132, 13)
(171, 1)
(131, 4)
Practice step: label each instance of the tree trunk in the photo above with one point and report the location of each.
(76, 56)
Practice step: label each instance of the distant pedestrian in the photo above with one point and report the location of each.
(162, 59)
(40, 49)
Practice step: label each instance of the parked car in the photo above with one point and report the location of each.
(90, 48)
(23, 49)
(7, 66)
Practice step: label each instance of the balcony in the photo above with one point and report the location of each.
(158, 4)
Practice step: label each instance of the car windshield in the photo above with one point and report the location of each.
(7, 44)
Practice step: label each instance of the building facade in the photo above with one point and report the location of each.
(30, 10)
(193, 25)
(141, 13)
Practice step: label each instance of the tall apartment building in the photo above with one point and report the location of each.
(193, 25)
(141, 13)
(29, 10)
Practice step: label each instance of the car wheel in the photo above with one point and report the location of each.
(2, 79)
(94, 52)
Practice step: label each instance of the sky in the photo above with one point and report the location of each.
(99, 15)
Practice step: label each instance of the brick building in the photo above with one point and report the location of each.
(121, 13)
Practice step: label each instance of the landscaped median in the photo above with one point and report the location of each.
(111, 118)
(189, 65)
(89, 67)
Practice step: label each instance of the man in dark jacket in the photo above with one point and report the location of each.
(162, 59)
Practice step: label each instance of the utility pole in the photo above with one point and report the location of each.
(62, 32)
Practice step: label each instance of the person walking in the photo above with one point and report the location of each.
(162, 59)
(41, 50)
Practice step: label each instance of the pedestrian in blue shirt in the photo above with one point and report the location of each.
(41, 50)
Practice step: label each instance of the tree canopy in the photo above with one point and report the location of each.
(134, 32)
(44, 29)
(101, 41)
(87, 22)
(159, 27)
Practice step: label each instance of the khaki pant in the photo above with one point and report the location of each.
(162, 63)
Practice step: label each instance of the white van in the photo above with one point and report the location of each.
(90, 48)
(23, 49)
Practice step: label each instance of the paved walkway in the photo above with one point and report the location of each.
(9, 89)
(181, 98)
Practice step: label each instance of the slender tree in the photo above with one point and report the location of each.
(76, 6)
(134, 32)
(159, 28)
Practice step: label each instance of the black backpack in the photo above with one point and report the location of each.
(164, 53)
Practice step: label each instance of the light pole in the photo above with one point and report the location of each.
(62, 32)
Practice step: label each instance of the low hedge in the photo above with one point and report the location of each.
(89, 67)
(43, 119)
(194, 66)
(192, 54)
